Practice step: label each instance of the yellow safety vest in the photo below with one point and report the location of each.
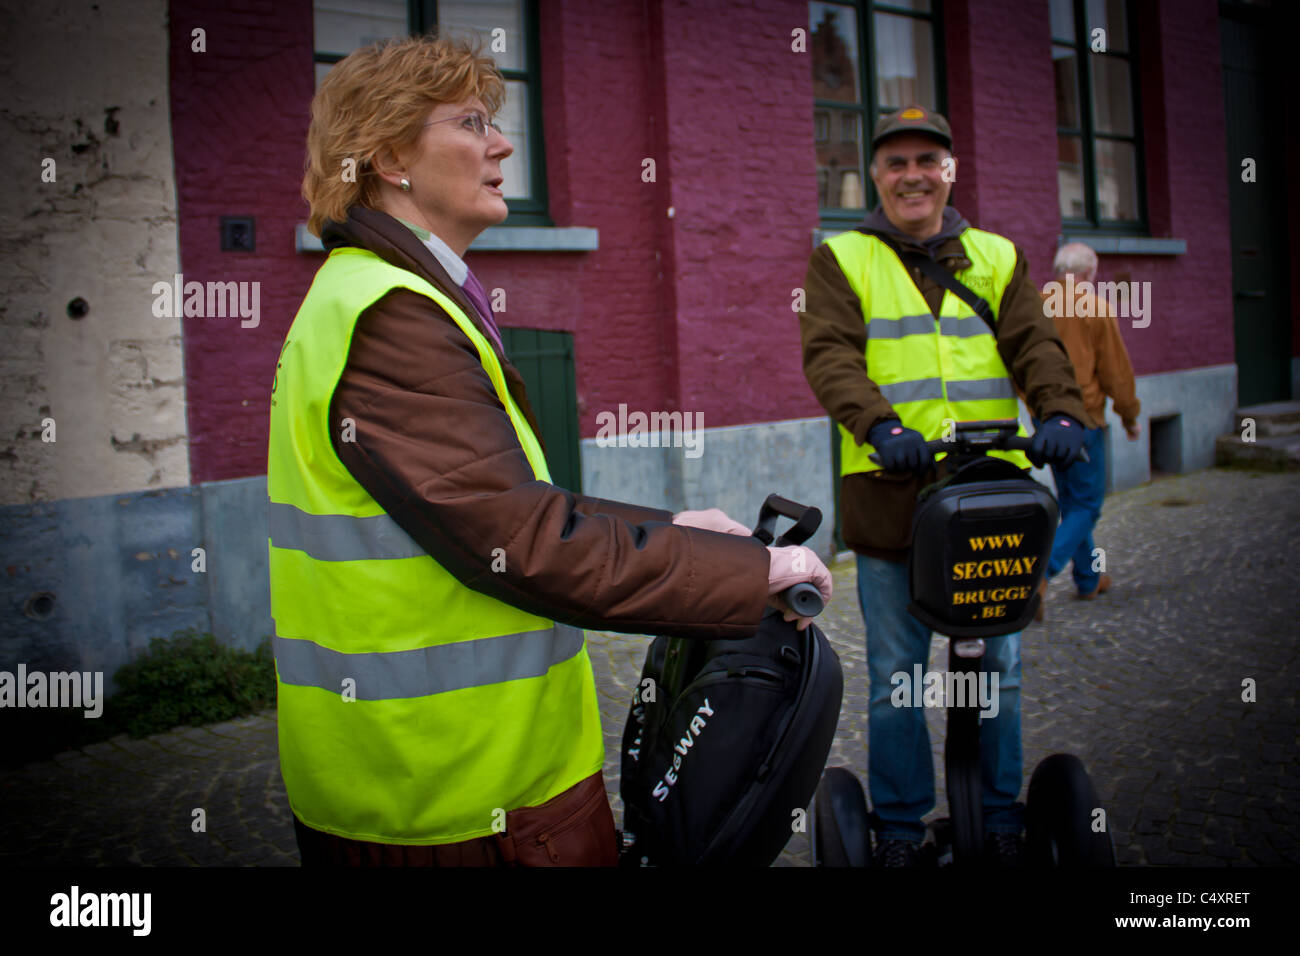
(932, 371)
(412, 709)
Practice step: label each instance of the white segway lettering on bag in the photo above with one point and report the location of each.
(682, 748)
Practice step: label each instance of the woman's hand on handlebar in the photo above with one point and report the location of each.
(795, 565)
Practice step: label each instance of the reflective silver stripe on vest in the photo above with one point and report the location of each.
(879, 328)
(427, 670)
(963, 327)
(339, 537)
(917, 390)
(980, 388)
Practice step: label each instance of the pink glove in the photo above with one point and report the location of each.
(711, 519)
(793, 565)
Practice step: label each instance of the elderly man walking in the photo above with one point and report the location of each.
(893, 353)
(1101, 364)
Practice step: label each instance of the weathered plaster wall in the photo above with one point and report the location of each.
(86, 87)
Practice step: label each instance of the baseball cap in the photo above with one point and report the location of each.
(912, 119)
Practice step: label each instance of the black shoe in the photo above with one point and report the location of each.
(898, 853)
(1005, 850)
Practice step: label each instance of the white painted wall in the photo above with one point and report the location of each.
(88, 89)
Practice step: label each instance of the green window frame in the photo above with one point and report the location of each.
(838, 121)
(1083, 136)
(422, 17)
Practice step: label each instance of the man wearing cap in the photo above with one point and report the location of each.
(895, 359)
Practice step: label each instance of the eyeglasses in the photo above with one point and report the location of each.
(474, 122)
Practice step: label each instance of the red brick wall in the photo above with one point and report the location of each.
(239, 125)
(691, 312)
(744, 191)
(1000, 89)
(600, 121)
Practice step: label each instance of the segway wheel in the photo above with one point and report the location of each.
(841, 828)
(1059, 815)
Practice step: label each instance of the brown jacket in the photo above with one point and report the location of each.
(436, 449)
(1091, 336)
(876, 508)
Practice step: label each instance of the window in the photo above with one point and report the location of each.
(508, 31)
(1099, 151)
(852, 90)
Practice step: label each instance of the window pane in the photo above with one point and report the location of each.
(1110, 16)
(1069, 176)
(1116, 181)
(1063, 20)
(904, 62)
(513, 120)
(833, 29)
(839, 163)
(343, 25)
(821, 126)
(1065, 64)
(1112, 97)
(482, 17)
(849, 128)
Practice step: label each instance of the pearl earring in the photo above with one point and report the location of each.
(406, 185)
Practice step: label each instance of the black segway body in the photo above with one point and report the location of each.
(980, 544)
(726, 740)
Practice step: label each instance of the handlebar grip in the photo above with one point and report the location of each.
(804, 599)
(1022, 444)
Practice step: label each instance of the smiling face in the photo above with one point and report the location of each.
(908, 170)
(455, 176)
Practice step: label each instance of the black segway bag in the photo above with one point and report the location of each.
(980, 543)
(726, 741)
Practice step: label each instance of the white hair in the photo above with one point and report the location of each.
(1076, 258)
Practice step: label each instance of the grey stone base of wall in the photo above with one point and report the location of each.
(1182, 413)
(88, 582)
(736, 469)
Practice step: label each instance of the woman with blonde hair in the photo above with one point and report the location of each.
(428, 583)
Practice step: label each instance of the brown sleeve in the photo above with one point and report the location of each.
(633, 514)
(1032, 351)
(1114, 370)
(834, 336)
(436, 449)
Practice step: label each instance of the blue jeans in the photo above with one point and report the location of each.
(1080, 490)
(900, 769)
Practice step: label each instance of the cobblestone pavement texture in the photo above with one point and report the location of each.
(1144, 684)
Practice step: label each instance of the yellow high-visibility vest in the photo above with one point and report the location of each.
(412, 709)
(934, 372)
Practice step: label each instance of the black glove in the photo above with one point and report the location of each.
(900, 449)
(1056, 442)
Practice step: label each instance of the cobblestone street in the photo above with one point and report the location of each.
(1144, 684)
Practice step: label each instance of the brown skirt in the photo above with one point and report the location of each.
(575, 828)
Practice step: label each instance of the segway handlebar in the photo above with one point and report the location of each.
(977, 438)
(804, 599)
